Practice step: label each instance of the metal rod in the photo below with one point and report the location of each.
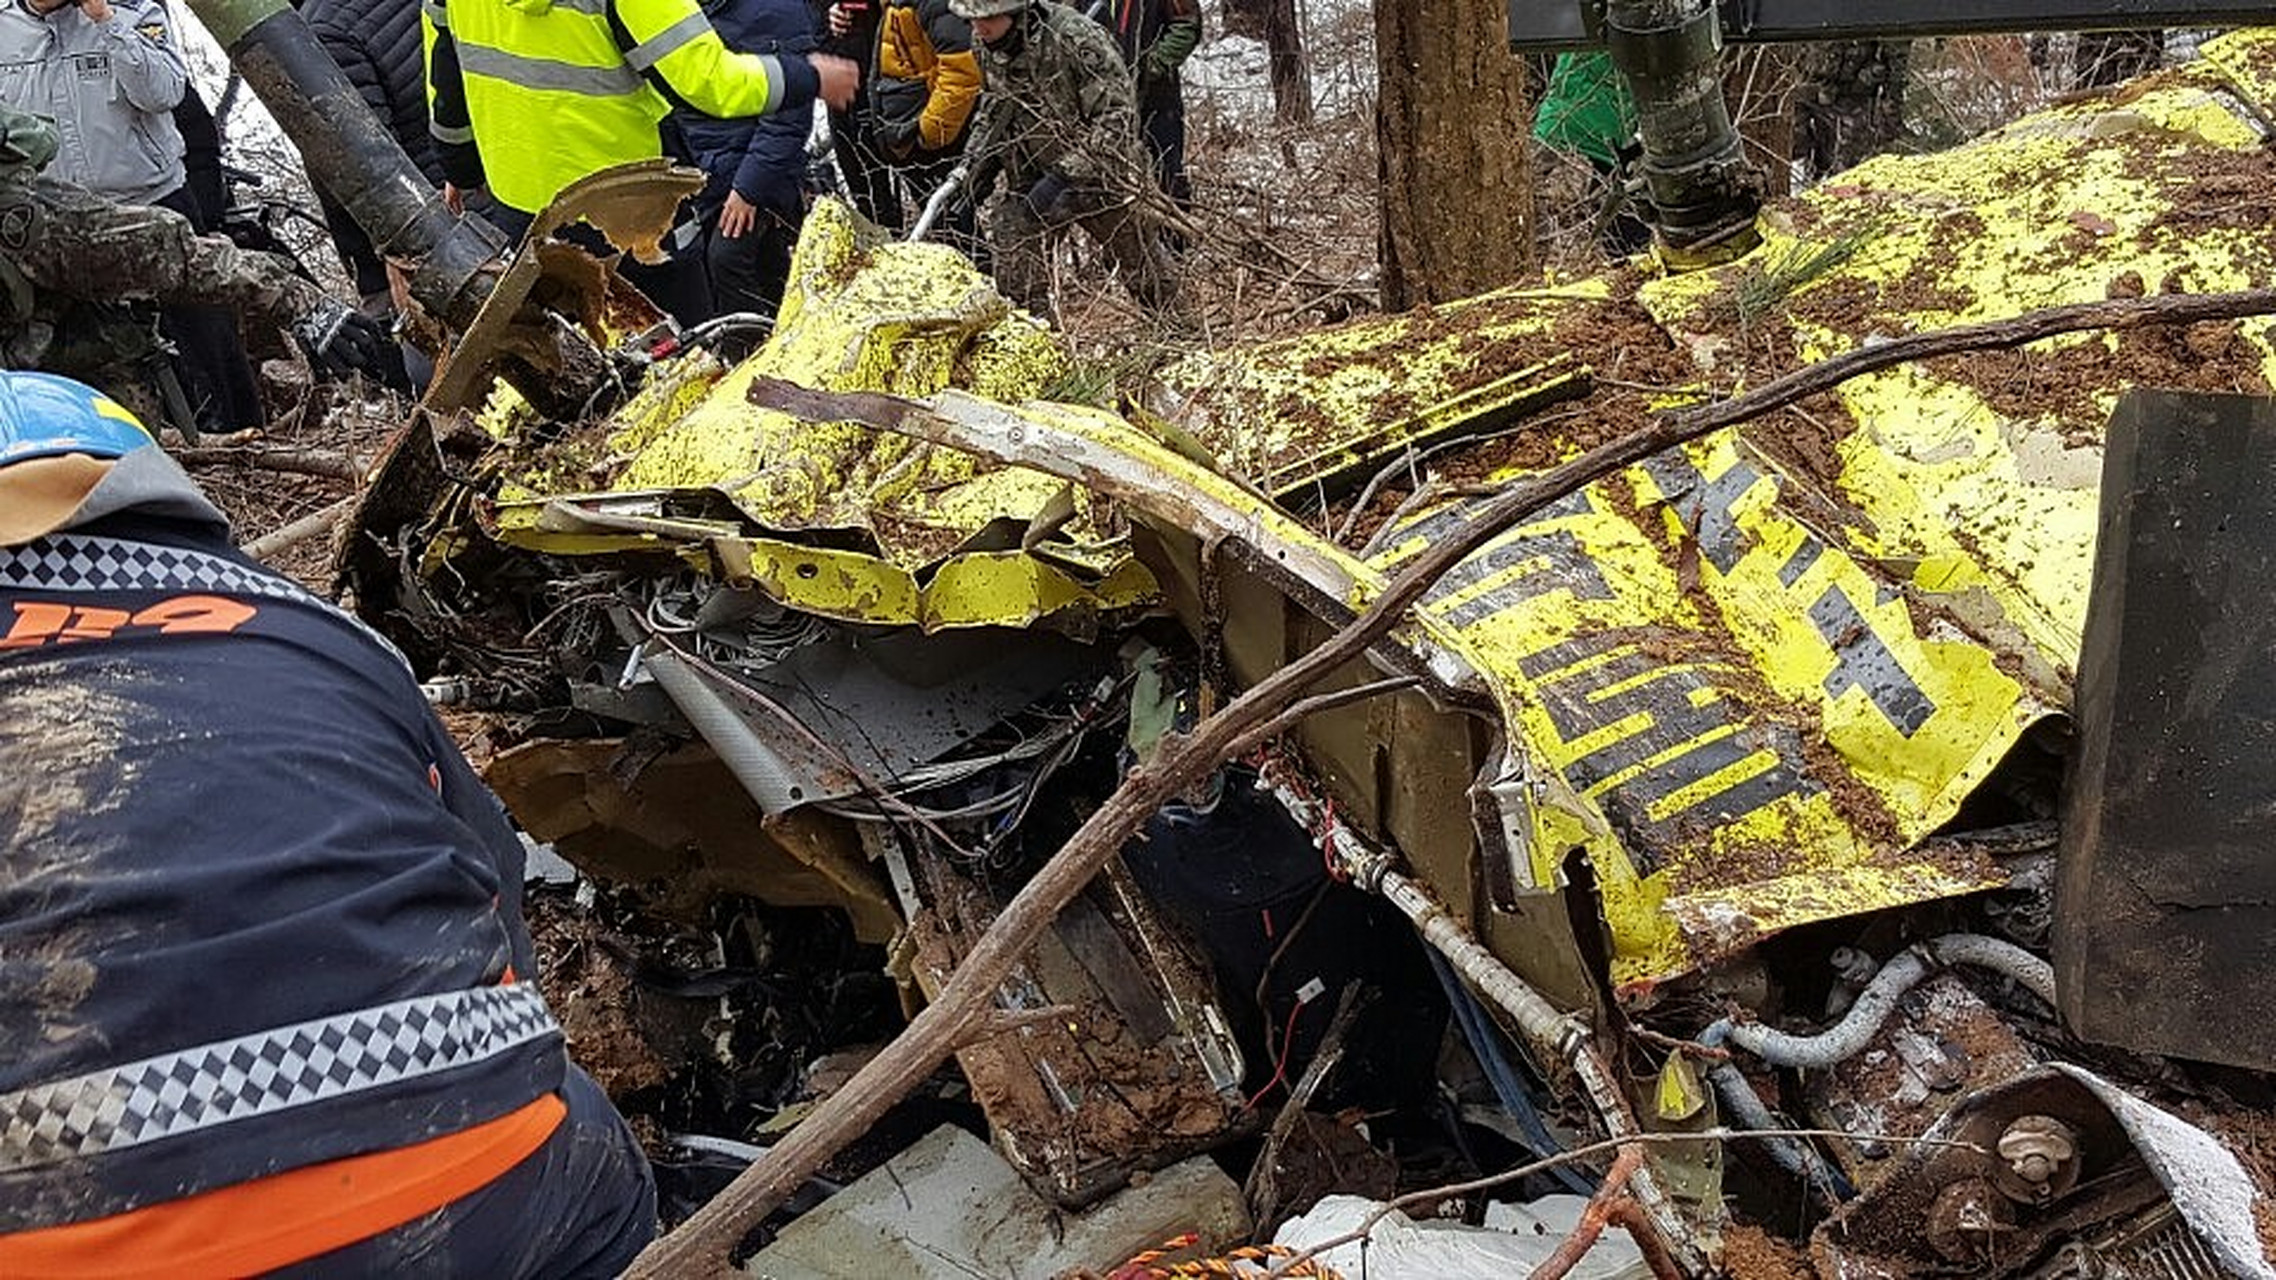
(1564, 1035)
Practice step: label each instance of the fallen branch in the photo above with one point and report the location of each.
(292, 535)
(330, 463)
(1594, 1215)
(1626, 1214)
(700, 1247)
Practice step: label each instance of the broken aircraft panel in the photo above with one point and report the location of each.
(1749, 676)
(1752, 683)
(1743, 680)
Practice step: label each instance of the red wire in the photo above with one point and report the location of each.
(1280, 1068)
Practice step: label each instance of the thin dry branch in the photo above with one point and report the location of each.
(701, 1246)
(314, 524)
(1594, 1216)
(330, 463)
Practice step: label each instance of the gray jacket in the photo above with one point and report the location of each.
(111, 88)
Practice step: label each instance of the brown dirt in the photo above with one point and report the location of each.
(1624, 344)
(624, 1038)
(2218, 188)
(1135, 1108)
(2034, 383)
(1750, 1253)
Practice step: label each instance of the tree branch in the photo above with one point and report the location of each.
(312, 525)
(330, 463)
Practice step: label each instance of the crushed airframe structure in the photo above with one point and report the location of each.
(1753, 749)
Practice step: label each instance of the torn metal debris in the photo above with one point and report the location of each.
(1717, 796)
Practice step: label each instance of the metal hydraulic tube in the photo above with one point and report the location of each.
(1552, 1031)
(352, 158)
(1703, 193)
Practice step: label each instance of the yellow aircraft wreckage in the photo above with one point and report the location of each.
(1810, 672)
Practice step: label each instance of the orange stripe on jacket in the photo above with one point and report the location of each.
(286, 1217)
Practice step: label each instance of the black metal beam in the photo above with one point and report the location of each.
(1551, 25)
(2165, 897)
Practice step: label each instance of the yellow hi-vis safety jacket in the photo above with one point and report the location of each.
(528, 96)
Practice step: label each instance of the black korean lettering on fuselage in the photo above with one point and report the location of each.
(1684, 727)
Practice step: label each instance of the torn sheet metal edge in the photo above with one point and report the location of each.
(462, 378)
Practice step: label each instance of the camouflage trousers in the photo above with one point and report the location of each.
(1130, 239)
(115, 348)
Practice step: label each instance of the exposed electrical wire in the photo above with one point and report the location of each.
(1279, 1066)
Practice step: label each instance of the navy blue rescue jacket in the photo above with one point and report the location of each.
(226, 812)
(764, 158)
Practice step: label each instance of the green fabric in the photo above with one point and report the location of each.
(1177, 42)
(27, 142)
(1587, 108)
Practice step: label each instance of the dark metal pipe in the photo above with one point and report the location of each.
(1703, 193)
(352, 158)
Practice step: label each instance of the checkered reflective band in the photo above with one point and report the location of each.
(260, 1074)
(80, 562)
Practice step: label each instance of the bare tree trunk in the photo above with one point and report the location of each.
(1275, 22)
(1453, 122)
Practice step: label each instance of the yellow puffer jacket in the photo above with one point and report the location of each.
(921, 42)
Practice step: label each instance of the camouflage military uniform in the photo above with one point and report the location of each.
(1059, 112)
(74, 266)
(1851, 103)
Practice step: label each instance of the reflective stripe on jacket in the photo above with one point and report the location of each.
(111, 87)
(528, 96)
(258, 913)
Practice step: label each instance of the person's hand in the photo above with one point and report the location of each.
(96, 10)
(340, 339)
(899, 138)
(840, 79)
(454, 199)
(841, 18)
(737, 217)
(1047, 199)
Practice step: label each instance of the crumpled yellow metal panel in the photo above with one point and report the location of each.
(861, 313)
(1976, 485)
(1272, 413)
(1751, 714)
(975, 589)
(1749, 676)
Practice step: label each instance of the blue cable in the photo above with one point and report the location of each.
(1485, 1038)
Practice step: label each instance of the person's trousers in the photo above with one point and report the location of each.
(581, 1206)
(748, 271)
(1161, 119)
(214, 369)
(1130, 240)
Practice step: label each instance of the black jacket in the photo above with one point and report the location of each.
(376, 44)
(224, 809)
